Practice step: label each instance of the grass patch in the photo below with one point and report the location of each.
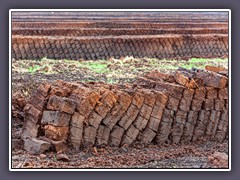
(203, 60)
(112, 70)
(95, 66)
(190, 66)
(33, 69)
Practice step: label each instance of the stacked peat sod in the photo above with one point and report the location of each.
(107, 24)
(92, 35)
(113, 31)
(184, 107)
(104, 47)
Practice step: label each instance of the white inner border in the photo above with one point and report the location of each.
(160, 10)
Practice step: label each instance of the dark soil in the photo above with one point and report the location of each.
(137, 156)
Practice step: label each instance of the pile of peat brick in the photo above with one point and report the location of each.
(181, 107)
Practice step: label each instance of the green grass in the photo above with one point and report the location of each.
(146, 64)
(33, 69)
(95, 66)
(194, 62)
(203, 60)
(113, 70)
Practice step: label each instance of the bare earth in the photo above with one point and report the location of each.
(137, 156)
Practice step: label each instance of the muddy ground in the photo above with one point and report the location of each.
(27, 75)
